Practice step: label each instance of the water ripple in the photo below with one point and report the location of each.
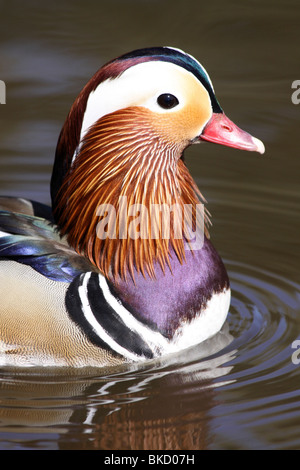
(263, 385)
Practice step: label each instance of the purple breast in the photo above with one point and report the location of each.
(174, 296)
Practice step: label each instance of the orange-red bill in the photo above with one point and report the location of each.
(221, 130)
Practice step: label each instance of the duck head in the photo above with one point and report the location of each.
(125, 136)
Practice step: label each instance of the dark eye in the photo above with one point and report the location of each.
(167, 101)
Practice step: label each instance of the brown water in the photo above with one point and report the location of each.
(239, 390)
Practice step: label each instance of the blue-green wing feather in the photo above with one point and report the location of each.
(35, 242)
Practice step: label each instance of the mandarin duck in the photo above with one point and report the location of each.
(76, 290)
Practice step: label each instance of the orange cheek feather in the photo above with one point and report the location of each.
(180, 127)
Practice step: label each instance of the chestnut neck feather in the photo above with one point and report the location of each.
(122, 155)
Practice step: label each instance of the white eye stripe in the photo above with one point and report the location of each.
(140, 85)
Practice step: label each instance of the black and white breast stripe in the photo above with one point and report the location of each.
(107, 323)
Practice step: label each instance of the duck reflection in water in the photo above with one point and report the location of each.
(164, 405)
